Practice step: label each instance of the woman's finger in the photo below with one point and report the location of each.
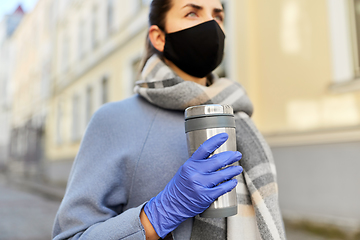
(209, 146)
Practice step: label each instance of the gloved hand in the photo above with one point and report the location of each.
(194, 187)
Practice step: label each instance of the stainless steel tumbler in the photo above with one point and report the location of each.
(201, 123)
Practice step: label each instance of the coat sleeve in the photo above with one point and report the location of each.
(98, 186)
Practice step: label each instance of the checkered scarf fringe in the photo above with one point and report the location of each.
(258, 215)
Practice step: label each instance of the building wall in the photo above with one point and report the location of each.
(115, 69)
(5, 113)
(31, 89)
(285, 62)
(320, 182)
(31, 70)
(111, 53)
(291, 59)
(7, 27)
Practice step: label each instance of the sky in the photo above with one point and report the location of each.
(9, 6)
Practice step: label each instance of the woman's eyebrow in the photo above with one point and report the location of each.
(193, 6)
(218, 10)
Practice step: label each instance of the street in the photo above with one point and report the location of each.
(24, 215)
(28, 216)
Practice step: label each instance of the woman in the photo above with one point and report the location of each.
(132, 178)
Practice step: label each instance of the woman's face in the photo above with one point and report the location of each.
(188, 13)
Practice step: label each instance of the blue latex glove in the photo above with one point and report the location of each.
(194, 187)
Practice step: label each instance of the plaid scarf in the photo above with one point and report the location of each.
(258, 215)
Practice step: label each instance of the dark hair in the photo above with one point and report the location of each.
(157, 16)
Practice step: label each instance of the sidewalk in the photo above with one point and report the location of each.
(25, 215)
(49, 191)
(41, 193)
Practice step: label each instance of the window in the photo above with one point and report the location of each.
(22, 142)
(89, 103)
(94, 28)
(45, 79)
(81, 39)
(110, 15)
(356, 36)
(3, 88)
(75, 129)
(35, 33)
(49, 15)
(145, 2)
(59, 120)
(104, 91)
(65, 53)
(344, 22)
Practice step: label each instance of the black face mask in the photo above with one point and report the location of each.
(197, 50)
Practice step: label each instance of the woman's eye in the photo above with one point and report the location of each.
(219, 18)
(191, 14)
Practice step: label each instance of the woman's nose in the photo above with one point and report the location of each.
(208, 17)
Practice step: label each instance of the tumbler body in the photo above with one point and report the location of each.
(201, 123)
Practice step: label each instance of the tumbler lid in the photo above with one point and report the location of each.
(208, 110)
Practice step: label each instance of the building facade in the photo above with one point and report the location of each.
(98, 54)
(7, 28)
(299, 62)
(31, 80)
(297, 59)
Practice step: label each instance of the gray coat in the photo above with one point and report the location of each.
(130, 151)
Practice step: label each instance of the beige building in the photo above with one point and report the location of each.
(30, 80)
(97, 59)
(7, 27)
(299, 63)
(298, 60)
